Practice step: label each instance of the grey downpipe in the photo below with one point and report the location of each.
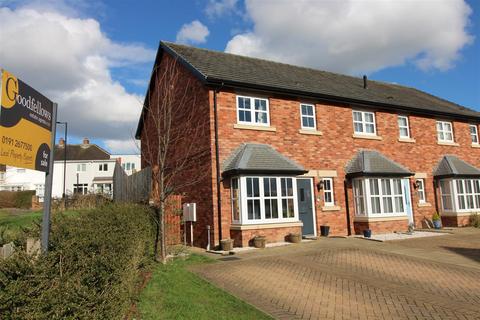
(347, 208)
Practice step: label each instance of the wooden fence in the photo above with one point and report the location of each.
(137, 187)
(134, 188)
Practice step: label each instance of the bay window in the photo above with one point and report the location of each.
(377, 197)
(257, 199)
(460, 195)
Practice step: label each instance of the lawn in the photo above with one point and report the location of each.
(17, 218)
(176, 293)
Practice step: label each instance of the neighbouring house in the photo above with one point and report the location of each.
(130, 162)
(291, 149)
(89, 169)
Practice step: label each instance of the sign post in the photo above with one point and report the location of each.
(27, 134)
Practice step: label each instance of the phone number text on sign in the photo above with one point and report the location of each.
(17, 143)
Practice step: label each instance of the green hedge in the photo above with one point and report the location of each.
(90, 272)
(16, 199)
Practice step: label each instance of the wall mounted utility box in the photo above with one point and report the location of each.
(189, 212)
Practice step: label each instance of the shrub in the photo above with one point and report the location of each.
(436, 217)
(16, 199)
(474, 220)
(90, 272)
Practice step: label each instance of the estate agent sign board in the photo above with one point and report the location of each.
(27, 135)
(26, 118)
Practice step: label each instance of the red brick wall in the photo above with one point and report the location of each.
(244, 238)
(194, 183)
(334, 149)
(460, 221)
(380, 227)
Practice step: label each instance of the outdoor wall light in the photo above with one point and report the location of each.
(416, 184)
(320, 185)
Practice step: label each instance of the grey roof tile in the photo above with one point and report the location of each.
(220, 66)
(451, 166)
(259, 158)
(81, 152)
(370, 162)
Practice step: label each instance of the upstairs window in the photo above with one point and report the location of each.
(253, 111)
(444, 131)
(364, 123)
(307, 113)
(403, 127)
(81, 167)
(103, 167)
(474, 134)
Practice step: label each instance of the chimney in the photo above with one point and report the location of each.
(86, 141)
(365, 85)
(61, 143)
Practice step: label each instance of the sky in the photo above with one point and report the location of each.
(94, 58)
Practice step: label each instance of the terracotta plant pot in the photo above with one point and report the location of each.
(226, 244)
(259, 242)
(295, 237)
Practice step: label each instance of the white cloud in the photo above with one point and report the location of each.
(129, 146)
(356, 36)
(70, 60)
(218, 8)
(193, 32)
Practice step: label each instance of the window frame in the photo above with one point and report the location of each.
(456, 196)
(382, 196)
(472, 135)
(253, 111)
(243, 200)
(314, 116)
(400, 127)
(364, 123)
(330, 191)
(422, 195)
(81, 167)
(442, 131)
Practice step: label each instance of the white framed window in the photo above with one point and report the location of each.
(328, 199)
(474, 133)
(307, 114)
(235, 200)
(460, 195)
(81, 188)
(444, 131)
(269, 199)
(364, 123)
(421, 190)
(81, 167)
(379, 196)
(252, 110)
(446, 193)
(103, 167)
(403, 127)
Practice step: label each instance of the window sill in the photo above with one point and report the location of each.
(459, 214)
(368, 137)
(407, 140)
(265, 225)
(445, 143)
(312, 132)
(253, 127)
(475, 145)
(331, 208)
(423, 204)
(379, 219)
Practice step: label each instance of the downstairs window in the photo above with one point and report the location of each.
(258, 200)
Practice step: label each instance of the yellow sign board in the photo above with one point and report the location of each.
(25, 125)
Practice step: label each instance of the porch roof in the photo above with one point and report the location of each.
(451, 166)
(373, 163)
(260, 159)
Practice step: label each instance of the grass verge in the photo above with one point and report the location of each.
(176, 293)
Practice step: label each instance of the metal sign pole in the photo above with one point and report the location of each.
(47, 202)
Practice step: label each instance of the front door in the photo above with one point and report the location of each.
(305, 206)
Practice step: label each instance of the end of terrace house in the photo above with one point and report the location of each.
(284, 149)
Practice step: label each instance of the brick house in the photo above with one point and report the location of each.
(291, 149)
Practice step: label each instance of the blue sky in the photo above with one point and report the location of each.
(101, 70)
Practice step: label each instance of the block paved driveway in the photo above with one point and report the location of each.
(428, 278)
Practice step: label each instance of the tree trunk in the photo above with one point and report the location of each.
(163, 244)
